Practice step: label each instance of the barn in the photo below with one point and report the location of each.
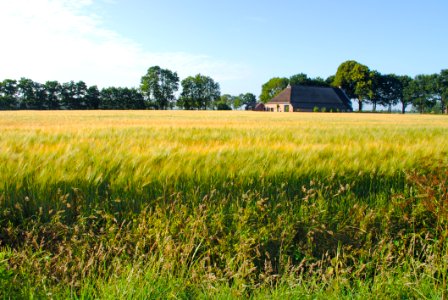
(310, 98)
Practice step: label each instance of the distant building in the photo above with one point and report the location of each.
(259, 107)
(310, 98)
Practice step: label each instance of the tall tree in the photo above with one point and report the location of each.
(375, 94)
(199, 92)
(68, 98)
(438, 89)
(386, 90)
(443, 86)
(52, 94)
(355, 79)
(25, 90)
(8, 94)
(159, 87)
(92, 98)
(421, 92)
(405, 97)
(80, 95)
(418, 93)
(73, 95)
(39, 96)
(272, 88)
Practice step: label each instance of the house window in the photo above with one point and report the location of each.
(286, 108)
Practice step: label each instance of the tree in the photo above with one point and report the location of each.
(272, 88)
(248, 99)
(52, 94)
(355, 79)
(386, 90)
(73, 95)
(443, 86)
(377, 85)
(8, 94)
(223, 106)
(303, 79)
(199, 92)
(39, 96)
(417, 92)
(226, 102)
(159, 86)
(68, 92)
(299, 79)
(92, 98)
(80, 95)
(26, 93)
(404, 97)
(131, 98)
(121, 98)
(438, 89)
(329, 80)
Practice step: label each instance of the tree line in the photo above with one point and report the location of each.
(158, 89)
(426, 93)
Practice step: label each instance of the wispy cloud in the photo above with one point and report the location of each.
(59, 39)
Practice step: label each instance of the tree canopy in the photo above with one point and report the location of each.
(355, 79)
(199, 92)
(272, 88)
(159, 87)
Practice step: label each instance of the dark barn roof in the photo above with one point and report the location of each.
(306, 98)
(259, 107)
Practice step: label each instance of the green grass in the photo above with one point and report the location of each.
(222, 205)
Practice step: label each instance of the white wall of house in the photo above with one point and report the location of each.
(279, 107)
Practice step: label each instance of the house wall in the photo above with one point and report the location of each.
(278, 107)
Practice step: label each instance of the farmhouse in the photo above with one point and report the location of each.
(309, 98)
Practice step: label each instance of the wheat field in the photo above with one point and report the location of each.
(178, 204)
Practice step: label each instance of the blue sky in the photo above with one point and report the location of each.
(241, 44)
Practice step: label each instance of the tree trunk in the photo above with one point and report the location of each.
(359, 104)
(403, 108)
(374, 106)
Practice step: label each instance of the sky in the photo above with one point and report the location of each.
(239, 43)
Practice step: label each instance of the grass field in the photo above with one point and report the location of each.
(175, 204)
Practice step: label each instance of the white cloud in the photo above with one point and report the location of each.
(57, 40)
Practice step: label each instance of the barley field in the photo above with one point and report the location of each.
(177, 204)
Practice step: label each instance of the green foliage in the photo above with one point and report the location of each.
(53, 91)
(355, 79)
(303, 79)
(248, 99)
(8, 94)
(387, 90)
(120, 98)
(404, 97)
(442, 84)
(159, 87)
(199, 92)
(93, 97)
(30, 94)
(223, 106)
(272, 88)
